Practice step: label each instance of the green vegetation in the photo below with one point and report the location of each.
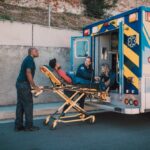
(5, 17)
(96, 8)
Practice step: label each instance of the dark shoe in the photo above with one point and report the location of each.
(33, 128)
(17, 129)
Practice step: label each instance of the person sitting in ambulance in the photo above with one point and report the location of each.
(85, 70)
(107, 78)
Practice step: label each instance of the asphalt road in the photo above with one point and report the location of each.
(110, 132)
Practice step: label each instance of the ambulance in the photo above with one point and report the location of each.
(123, 42)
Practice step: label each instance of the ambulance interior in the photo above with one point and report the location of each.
(106, 52)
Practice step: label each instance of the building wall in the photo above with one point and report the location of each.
(15, 39)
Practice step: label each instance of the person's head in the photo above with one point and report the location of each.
(33, 52)
(53, 64)
(105, 68)
(88, 61)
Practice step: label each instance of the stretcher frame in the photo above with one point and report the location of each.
(72, 101)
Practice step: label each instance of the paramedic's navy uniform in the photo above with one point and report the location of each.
(87, 74)
(24, 95)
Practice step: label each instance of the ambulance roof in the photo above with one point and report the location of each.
(118, 16)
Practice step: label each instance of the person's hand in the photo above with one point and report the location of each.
(97, 78)
(107, 83)
(37, 88)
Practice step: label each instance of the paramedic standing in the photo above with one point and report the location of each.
(24, 95)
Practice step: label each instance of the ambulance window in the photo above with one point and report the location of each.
(82, 48)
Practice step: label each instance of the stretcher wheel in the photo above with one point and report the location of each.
(46, 121)
(53, 125)
(92, 119)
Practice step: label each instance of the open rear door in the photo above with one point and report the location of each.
(80, 49)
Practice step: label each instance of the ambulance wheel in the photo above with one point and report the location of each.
(92, 119)
(53, 125)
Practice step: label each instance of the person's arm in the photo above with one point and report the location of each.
(29, 66)
(64, 76)
(29, 77)
(84, 74)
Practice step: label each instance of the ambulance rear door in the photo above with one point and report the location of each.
(80, 49)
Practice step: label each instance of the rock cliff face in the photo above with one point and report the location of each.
(76, 6)
(64, 13)
(68, 6)
(124, 5)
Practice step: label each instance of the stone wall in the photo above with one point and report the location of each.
(10, 60)
(15, 39)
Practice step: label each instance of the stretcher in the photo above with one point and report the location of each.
(72, 102)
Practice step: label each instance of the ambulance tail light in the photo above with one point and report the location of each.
(86, 32)
(126, 101)
(135, 102)
(130, 101)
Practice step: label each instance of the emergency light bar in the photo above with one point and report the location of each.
(86, 32)
(133, 17)
(95, 29)
(106, 24)
(147, 16)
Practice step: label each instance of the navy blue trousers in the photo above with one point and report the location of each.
(24, 105)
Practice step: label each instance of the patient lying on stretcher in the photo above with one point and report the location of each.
(69, 77)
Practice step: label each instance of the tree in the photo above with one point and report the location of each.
(97, 8)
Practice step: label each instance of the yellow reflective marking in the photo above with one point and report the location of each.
(99, 27)
(129, 73)
(106, 30)
(129, 32)
(114, 23)
(131, 55)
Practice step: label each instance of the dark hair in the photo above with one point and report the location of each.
(105, 65)
(88, 57)
(52, 63)
(30, 50)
